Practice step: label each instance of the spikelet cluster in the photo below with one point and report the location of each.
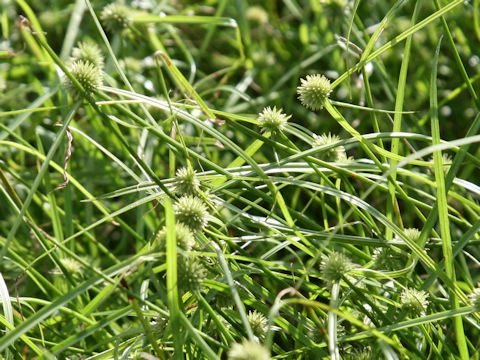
(273, 120)
(335, 266)
(185, 238)
(116, 17)
(258, 323)
(334, 154)
(248, 350)
(191, 211)
(87, 74)
(414, 301)
(187, 181)
(88, 52)
(314, 91)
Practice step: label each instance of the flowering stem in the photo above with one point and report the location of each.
(332, 323)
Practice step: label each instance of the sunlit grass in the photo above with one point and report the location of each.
(239, 179)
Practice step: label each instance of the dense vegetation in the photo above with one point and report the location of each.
(239, 179)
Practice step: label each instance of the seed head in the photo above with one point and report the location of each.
(415, 301)
(412, 234)
(257, 15)
(187, 181)
(72, 266)
(116, 17)
(388, 259)
(314, 91)
(185, 238)
(336, 154)
(191, 211)
(258, 323)
(272, 119)
(334, 266)
(446, 162)
(88, 52)
(475, 299)
(191, 273)
(87, 74)
(363, 354)
(248, 350)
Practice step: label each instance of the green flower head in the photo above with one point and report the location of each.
(87, 74)
(273, 120)
(191, 211)
(248, 350)
(191, 272)
(116, 17)
(414, 301)
(187, 181)
(88, 52)
(185, 238)
(314, 91)
(335, 154)
(334, 267)
(258, 323)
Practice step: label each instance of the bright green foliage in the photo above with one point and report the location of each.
(316, 161)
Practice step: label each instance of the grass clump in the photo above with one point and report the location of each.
(239, 180)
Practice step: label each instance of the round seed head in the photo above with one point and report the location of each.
(89, 52)
(273, 120)
(191, 273)
(191, 211)
(185, 238)
(72, 265)
(415, 301)
(335, 154)
(248, 350)
(116, 17)
(87, 74)
(446, 162)
(314, 91)
(361, 354)
(388, 259)
(187, 181)
(334, 267)
(412, 234)
(257, 15)
(475, 299)
(258, 323)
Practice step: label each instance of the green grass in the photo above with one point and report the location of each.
(347, 232)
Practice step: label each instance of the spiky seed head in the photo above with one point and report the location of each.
(273, 120)
(314, 91)
(191, 211)
(88, 51)
(414, 301)
(187, 181)
(475, 299)
(191, 273)
(185, 238)
(87, 74)
(412, 234)
(334, 267)
(361, 354)
(335, 154)
(71, 265)
(257, 15)
(446, 163)
(258, 323)
(248, 350)
(116, 17)
(388, 259)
